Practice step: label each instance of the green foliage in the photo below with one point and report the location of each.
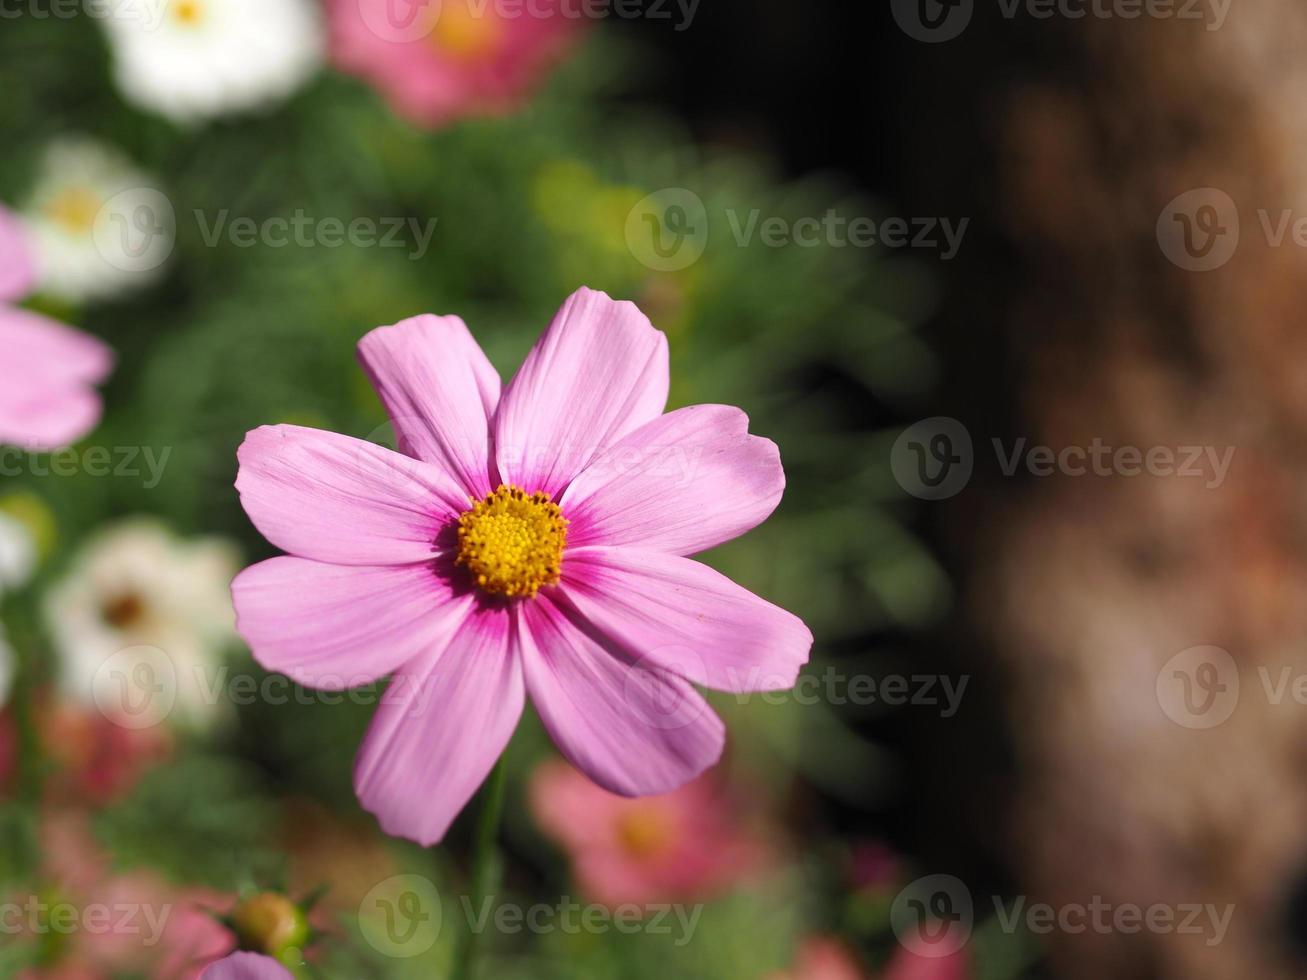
(526, 209)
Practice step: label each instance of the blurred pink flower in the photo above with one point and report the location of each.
(96, 761)
(688, 844)
(171, 933)
(442, 60)
(529, 543)
(247, 966)
(907, 965)
(822, 958)
(48, 370)
(8, 750)
(874, 865)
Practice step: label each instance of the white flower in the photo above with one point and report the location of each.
(139, 598)
(17, 553)
(194, 59)
(99, 226)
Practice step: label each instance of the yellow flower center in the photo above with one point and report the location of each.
(512, 542)
(75, 210)
(188, 12)
(464, 33)
(643, 833)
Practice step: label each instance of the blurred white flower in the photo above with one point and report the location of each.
(17, 553)
(140, 599)
(194, 59)
(99, 226)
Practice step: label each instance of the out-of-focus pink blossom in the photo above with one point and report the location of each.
(687, 844)
(874, 865)
(907, 965)
(97, 761)
(822, 958)
(435, 62)
(247, 966)
(48, 371)
(170, 934)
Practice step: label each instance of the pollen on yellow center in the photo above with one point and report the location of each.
(188, 12)
(75, 209)
(465, 33)
(512, 542)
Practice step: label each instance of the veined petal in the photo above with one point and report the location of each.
(597, 373)
(440, 728)
(332, 627)
(332, 498)
(632, 727)
(440, 392)
(683, 483)
(686, 617)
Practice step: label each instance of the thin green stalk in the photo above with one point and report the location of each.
(486, 867)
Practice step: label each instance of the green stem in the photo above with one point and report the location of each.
(486, 867)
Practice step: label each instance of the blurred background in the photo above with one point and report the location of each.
(1010, 283)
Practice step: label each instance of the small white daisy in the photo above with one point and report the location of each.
(195, 59)
(139, 598)
(99, 225)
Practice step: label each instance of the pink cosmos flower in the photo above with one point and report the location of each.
(47, 371)
(682, 846)
(532, 541)
(246, 966)
(438, 60)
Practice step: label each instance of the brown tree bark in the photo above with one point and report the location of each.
(1089, 586)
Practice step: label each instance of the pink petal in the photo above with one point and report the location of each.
(332, 627)
(246, 966)
(17, 267)
(685, 482)
(908, 965)
(686, 617)
(599, 372)
(46, 374)
(440, 393)
(332, 498)
(46, 419)
(34, 344)
(633, 728)
(443, 723)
